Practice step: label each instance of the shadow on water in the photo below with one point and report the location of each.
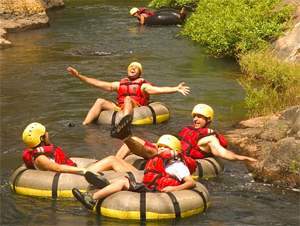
(100, 39)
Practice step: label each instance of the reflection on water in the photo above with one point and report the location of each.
(99, 39)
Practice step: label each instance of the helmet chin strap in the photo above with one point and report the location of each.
(43, 140)
(206, 123)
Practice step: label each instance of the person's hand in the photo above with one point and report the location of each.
(84, 170)
(250, 160)
(72, 71)
(185, 90)
(168, 189)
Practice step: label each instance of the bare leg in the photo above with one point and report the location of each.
(129, 104)
(94, 112)
(124, 150)
(111, 163)
(139, 149)
(185, 10)
(123, 133)
(120, 184)
(182, 10)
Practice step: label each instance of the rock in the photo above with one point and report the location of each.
(292, 115)
(274, 130)
(3, 42)
(275, 142)
(288, 46)
(52, 4)
(20, 15)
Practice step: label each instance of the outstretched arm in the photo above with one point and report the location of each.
(219, 151)
(153, 90)
(107, 86)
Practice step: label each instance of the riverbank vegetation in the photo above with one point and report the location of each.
(244, 30)
(271, 85)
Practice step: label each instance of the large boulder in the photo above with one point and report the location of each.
(53, 4)
(20, 15)
(275, 142)
(287, 47)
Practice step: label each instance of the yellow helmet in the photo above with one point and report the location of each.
(170, 141)
(136, 64)
(134, 10)
(32, 133)
(205, 110)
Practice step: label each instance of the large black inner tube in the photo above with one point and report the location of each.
(167, 16)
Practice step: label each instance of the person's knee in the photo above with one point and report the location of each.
(99, 101)
(111, 158)
(103, 104)
(129, 100)
(125, 182)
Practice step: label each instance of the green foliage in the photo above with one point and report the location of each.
(245, 29)
(229, 27)
(170, 3)
(271, 85)
(160, 3)
(295, 167)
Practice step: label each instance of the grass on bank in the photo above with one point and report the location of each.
(271, 85)
(244, 29)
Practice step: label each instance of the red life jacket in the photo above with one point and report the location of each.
(155, 175)
(143, 11)
(132, 89)
(51, 151)
(189, 138)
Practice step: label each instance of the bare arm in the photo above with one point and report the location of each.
(189, 183)
(219, 151)
(153, 90)
(44, 163)
(142, 18)
(107, 86)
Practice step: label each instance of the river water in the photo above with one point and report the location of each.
(100, 39)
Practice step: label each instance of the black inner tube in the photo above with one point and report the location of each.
(167, 16)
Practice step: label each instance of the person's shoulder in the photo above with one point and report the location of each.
(147, 83)
(123, 79)
(181, 167)
(209, 136)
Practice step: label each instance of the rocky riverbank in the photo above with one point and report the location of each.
(275, 141)
(20, 15)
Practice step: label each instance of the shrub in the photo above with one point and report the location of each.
(295, 167)
(170, 3)
(230, 27)
(245, 29)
